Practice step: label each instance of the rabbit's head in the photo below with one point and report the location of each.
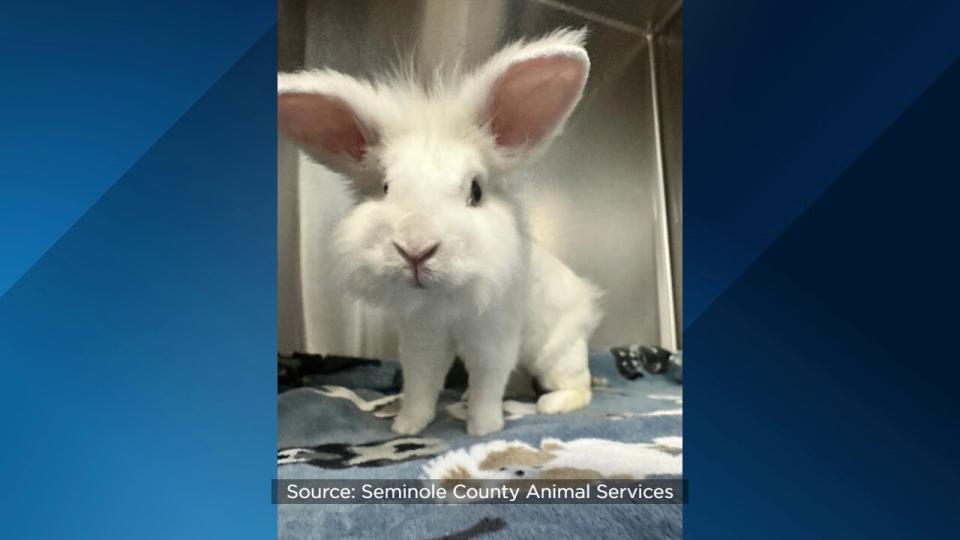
(437, 218)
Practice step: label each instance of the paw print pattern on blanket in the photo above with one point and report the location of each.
(371, 454)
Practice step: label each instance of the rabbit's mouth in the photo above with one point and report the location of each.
(416, 260)
(420, 277)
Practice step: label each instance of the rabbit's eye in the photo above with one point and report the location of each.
(475, 193)
(386, 188)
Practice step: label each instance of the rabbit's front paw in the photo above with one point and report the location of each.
(411, 422)
(480, 425)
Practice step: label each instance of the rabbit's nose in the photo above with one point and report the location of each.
(416, 238)
(416, 257)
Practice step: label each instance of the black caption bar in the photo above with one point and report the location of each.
(649, 491)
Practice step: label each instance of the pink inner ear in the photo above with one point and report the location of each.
(531, 99)
(321, 124)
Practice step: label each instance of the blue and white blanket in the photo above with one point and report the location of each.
(336, 425)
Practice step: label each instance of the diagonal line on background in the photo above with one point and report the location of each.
(146, 151)
(854, 160)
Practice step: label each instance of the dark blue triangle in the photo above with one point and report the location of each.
(822, 386)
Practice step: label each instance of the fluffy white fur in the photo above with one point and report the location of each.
(488, 293)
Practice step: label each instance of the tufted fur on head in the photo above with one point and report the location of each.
(430, 161)
(439, 236)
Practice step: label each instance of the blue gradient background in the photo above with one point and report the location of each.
(138, 273)
(138, 270)
(820, 189)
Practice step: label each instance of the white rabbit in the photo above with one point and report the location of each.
(440, 237)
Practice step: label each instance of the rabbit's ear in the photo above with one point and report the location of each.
(531, 89)
(314, 112)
